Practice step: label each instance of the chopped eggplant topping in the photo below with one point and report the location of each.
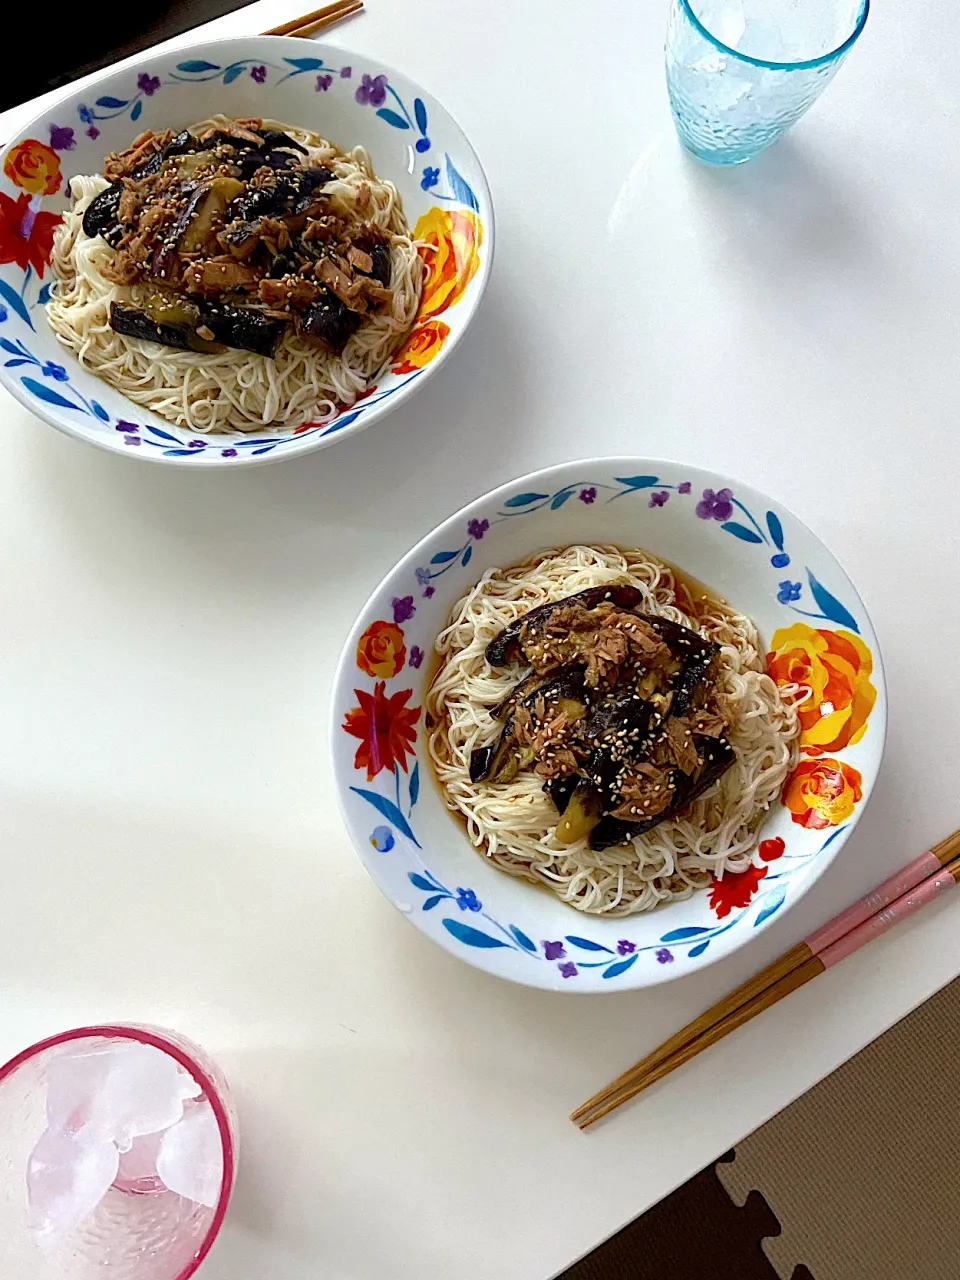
(235, 223)
(329, 322)
(621, 715)
(507, 646)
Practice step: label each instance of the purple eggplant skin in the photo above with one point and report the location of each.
(100, 215)
(718, 756)
(630, 714)
(560, 790)
(697, 655)
(506, 647)
(133, 323)
(568, 685)
(243, 329)
(331, 322)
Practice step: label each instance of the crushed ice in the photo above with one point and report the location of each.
(117, 1114)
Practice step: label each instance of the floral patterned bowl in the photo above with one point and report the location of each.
(742, 544)
(351, 100)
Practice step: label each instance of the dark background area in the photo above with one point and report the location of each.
(81, 40)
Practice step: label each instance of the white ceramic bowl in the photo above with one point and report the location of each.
(745, 546)
(348, 98)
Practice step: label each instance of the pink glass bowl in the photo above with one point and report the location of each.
(129, 1236)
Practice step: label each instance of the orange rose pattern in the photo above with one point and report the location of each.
(835, 666)
(822, 793)
(421, 346)
(381, 651)
(448, 241)
(33, 166)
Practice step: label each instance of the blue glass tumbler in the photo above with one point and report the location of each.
(740, 72)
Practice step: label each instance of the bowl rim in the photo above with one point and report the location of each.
(662, 973)
(296, 447)
(169, 1045)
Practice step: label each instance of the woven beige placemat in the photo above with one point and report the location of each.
(863, 1172)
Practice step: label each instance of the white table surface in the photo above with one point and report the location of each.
(172, 850)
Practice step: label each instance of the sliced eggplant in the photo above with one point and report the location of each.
(380, 256)
(623, 732)
(695, 655)
(172, 325)
(240, 238)
(100, 215)
(278, 159)
(502, 760)
(317, 175)
(244, 329)
(180, 144)
(718, 756)
(567, 686)
(560, 790)
(133, 323)
(277, 138)
(581, 814)
(480, 761)
(330, 322)
(204, 213)
(507, 646)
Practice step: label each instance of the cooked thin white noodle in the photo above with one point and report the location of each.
(236, 390)
(514, 821)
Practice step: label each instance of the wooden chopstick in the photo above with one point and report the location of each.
(898, 896)
(308, 23)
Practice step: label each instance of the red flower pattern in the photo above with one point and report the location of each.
(770, 850)
(735, 889)
(386, 728)
(25, 243)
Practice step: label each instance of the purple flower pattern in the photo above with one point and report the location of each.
(93, 132)
(684, 488)
(588, 495)
(150, 84)
(346, 73)
(625, 948)
(554, 950)
(477, 528)
(259, 74)
(716, 506)
(61, 138)
(228, 453)
(416, 657)
(428, 592)
(567, 970)
(659, 499)
(664, 955)
(372, 91)
(324, 83)
(403, 609)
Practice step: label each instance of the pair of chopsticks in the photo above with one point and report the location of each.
(899, 896)
(309, 24)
